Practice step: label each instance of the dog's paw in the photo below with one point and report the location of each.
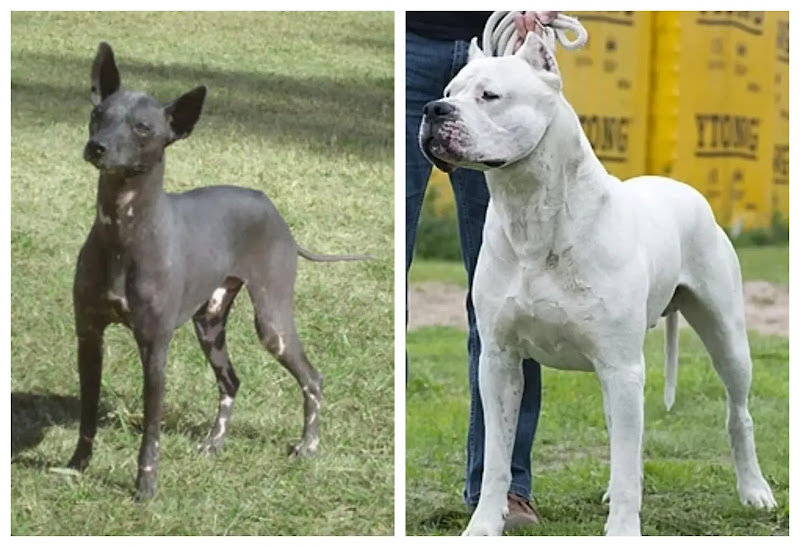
(304, 448)
(482, 529)
(758, 495)
(146, 488)
(478, 531)
(623, 526)
(485, 524)
(210, 447)
(80, 460)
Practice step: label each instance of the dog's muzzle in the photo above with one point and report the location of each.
(443, 140)
(435, 113)
(93, 151)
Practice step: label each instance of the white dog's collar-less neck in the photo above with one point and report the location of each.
(563, 162)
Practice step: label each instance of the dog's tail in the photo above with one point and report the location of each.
(316, 257)
(671, 358)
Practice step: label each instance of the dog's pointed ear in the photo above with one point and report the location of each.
(536, 53)
(105, 76)
(475, 52)
(183, 113)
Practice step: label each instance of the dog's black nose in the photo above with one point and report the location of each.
(438, 109)
(94, 149)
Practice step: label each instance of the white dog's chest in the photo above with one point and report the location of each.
(548, 322)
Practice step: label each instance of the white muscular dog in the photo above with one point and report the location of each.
(575, 266)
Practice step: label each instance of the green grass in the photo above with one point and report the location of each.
(299, 106)
(765, 263)
(689, 485)
(445, 271)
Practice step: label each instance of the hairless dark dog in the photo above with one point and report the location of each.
(153, 260)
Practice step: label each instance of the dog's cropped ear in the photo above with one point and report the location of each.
(105, 76)
(475, 52)
(183, 113)
(536, 53)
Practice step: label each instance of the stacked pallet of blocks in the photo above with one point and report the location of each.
(719, 110)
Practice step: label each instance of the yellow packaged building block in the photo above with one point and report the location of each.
(712, 109)
(778, 22)
(690, 122)
(752, 100)
(607, 82)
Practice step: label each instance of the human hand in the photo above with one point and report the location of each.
(531, 21)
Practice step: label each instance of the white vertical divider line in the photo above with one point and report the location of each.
(399, 275)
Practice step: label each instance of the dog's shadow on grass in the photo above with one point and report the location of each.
(33, 413)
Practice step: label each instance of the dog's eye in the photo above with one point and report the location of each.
(489, 96)
(142, 128)
(446, 93)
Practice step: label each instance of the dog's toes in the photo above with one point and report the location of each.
(79, 462)
(759, 500)
(479, 530)
(482, 529)
(303, 449)
(487, 522)
(143, 495)
(758, 495)
(210, 447)
(145, 490)
(623, 526)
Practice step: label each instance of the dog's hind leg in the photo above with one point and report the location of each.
(273, 301)
(209, 325)
(714, 307)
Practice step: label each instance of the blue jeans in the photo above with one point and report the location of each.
(430, 65)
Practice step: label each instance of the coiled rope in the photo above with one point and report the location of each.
(500, 35)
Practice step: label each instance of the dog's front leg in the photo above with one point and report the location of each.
(623, 395)
(501, 382)
(153, 352)
(91, 320)
(90, 367)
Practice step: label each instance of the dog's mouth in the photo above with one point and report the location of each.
(446, 151)
(102, 164)
(430, 148)
(92, 158)
(444, 159)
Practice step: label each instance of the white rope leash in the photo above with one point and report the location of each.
(500, 36)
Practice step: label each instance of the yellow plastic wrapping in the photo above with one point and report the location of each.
(713, 109)
(778, 21)
(751, 102)
(607, 82)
